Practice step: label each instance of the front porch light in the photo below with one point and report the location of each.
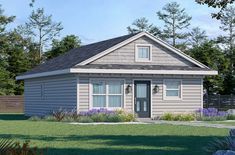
(128, 89)
(156, 89)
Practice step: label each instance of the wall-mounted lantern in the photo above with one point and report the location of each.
(155, 89)
(128, 89)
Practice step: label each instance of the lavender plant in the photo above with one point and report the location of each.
(211, 114)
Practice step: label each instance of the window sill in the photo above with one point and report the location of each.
(172, 98)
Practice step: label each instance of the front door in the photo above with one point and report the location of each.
(142, 98)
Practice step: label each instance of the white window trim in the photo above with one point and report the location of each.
(172, 97)
(136, 53)
(106, 80)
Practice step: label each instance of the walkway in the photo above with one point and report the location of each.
(191, 123)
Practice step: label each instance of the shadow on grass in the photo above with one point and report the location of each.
(120, 144)
(13, 117)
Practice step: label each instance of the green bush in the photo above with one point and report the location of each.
(129, 117)
(35, 118)
(85, 119)
(178, 117)
(115, 118)
(167, 117)
(214, 118)
(49, 118)
(69, 119)
(99, 117)
(230, 117)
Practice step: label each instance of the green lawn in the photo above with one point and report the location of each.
(63, 138)
(229, 123)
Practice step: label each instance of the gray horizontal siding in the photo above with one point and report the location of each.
(126, 55)
(191, 97)
(59, 92)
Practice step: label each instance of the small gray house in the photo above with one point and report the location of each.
(137, 72)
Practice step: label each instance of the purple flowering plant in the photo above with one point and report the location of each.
(212, 112)
(97, 111)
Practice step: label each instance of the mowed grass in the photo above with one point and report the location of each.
(64, 138)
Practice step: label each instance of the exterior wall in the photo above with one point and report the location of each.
(191, 97)
(59, 92)
(126, 55)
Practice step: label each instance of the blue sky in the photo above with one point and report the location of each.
(95, 20)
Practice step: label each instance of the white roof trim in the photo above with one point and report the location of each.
(117, 71)
(136, 71)
(57, 72)
(161, 42)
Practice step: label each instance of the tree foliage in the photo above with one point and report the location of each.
(221, 4)
(197, 37)
(60, 47)
(212, 56)
(4, 20)
(142, 24)
(41, 28)
(176, 20)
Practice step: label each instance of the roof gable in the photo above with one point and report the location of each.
(136, 36)
(127, 55)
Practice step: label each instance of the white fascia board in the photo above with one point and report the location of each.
(57, 72)
(134, 71)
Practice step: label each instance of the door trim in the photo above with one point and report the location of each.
(133, 95)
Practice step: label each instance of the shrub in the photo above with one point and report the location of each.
(115, 118)
(167, 117)
(227, 143)
(177, 117)
(49, 118)
(99, 117)
(129, 117)
(85, 119)
(68, 118)
(214, 118)
(35, 118)
(74, 115)
(231, 117)
(188, 117)
(211, 114)
(59, 115)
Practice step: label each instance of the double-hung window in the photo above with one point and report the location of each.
(143, 53)
(172, 89)
(107, 93)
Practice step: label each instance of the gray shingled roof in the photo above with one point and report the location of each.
(77, 55)
(140, 67)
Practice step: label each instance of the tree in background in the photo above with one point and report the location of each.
(6, 83)
(228, 40)
(142, 24)
(41, 28)
(4, 20)
(197, 37)
(212, 56)
(64, 45)
(17, 59)
(228, 26)
(221, 4)
(176, 20)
